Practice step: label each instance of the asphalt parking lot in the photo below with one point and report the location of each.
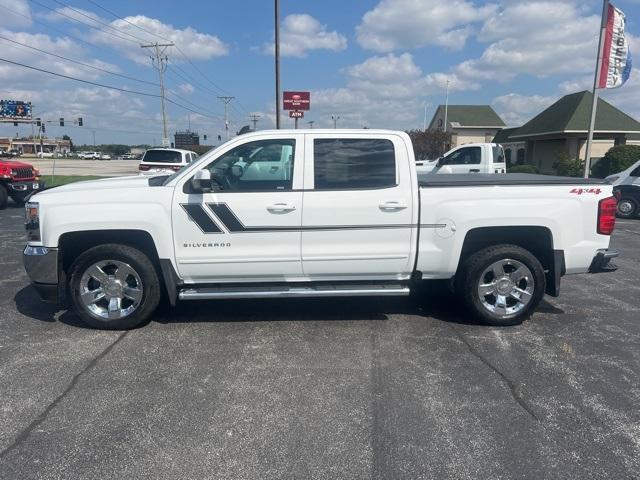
(75, 166)
(362, 388)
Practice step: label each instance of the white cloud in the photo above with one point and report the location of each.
(405, 24)
(301, 33)
(15, 14)
(186, 88)
(126, 38)
(517, 109)
(62, 46)
(383, 91)
(535, 38)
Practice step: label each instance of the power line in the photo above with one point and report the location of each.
(57, 12)
(79, 79)
(110, 87)
(138, 39)
(78, 62)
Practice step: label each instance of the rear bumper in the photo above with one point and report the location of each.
(602, 261)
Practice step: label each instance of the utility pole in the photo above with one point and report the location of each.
(254, 117)
(159, 61)
(424, 125)
(335, 119)
(277, 55)
(226, 101)
(310, 123)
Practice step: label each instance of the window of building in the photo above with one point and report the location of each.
(260, 165)
(354, 164)
(507, 155)
(520, 156)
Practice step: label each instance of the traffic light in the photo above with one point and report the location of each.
(205, 137)
(219, 138)
(61, 122)
(38, 122)
(15, 124)
(79, 121)
(43, 128)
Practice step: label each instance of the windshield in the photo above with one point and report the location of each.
(162, 156)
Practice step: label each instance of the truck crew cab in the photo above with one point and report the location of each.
(313, 213)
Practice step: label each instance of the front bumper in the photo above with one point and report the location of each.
(602, 261)
(25, 188)
(42, 267)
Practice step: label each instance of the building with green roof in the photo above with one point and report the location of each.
(563, 128)
(467, 123)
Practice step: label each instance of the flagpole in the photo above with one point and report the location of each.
(596, 83)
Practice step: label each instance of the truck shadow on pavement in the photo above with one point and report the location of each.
(435, 302)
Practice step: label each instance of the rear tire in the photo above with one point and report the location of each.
(3, 197)
(114, 287)
(627, 208)
(502, 285)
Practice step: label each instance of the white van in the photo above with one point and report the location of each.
(469, 158)
(165, 160)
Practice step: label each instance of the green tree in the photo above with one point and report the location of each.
(429, 144)
(567, 166)
(617, 159)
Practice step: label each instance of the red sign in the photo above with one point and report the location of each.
(296, 114)
(296, 100)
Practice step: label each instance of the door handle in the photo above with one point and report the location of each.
(474, 170)
(281, 208)
(392, 206)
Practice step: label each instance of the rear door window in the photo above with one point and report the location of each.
(344, 164)
(162, 156)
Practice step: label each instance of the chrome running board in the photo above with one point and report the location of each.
(352, 290)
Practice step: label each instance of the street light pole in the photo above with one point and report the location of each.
(277, 55)
(159, 61)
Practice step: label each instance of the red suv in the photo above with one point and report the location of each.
(17, 180)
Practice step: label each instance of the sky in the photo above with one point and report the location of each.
(373, 63)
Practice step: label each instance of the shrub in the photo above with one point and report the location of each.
(522, 169)
(567, 166)
(617, 159)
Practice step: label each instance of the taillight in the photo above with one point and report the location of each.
(143, 168)
(607, 215)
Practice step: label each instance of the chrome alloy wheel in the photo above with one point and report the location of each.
(625, 207)
(506, 287)
(110, 289)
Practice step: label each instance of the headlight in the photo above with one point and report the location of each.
(32, 217)
(13, 172)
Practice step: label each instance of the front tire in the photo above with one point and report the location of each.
(114, 287)
(4, 196)
(502, 285)
(627, 208)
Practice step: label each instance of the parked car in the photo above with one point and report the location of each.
(628, 200)
(105, 156)
(45, 154)
(12, 153)
(89, 155)
(469, 158)
(17, 180)
(627, 177)
(165, 160)
(128, 156)
(314, 213)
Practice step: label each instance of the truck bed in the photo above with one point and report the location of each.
(486, 179)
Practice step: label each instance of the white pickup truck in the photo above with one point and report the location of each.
(467, 158)
(313, 213)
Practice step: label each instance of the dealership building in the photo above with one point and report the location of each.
(26, 145)
(563, 128)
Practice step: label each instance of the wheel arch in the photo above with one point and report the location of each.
(73, 244)
(536, 239)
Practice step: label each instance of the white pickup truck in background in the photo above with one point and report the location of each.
(468, 158)
(313, 213)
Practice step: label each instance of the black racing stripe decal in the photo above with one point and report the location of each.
(200, 217)
(232, 223)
